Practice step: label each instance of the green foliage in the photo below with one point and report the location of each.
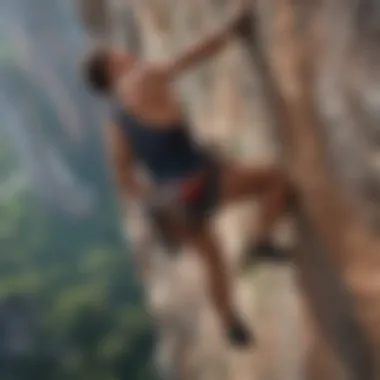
(82, 275)
(78, 271)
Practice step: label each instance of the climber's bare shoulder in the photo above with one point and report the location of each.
(147, 91)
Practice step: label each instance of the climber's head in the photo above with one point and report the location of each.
(103, 67)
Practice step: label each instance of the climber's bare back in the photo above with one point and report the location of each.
(148, 93)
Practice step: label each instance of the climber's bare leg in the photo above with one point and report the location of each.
(239, 183)
(205, 245)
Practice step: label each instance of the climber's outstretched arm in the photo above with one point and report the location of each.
(207, 47)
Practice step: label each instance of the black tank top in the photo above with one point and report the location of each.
(168, 154)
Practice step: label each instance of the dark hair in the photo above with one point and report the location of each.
(95, 70)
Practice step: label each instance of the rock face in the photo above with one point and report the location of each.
(225, 103)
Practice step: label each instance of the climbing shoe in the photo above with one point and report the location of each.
(239, 335)
(265, 251)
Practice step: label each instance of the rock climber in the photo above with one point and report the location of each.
(148, 129)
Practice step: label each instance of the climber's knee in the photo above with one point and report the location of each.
(241, 183)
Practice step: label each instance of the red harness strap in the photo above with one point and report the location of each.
(191, 189)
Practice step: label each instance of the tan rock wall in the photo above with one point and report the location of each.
(224, 103)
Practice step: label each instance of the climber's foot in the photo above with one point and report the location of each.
(265, 251)
(239, 334)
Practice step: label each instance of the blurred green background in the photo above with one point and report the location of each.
(70, 304)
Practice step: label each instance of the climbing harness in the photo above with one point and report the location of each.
(191, 200)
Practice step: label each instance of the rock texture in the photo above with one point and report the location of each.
(312, 84)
